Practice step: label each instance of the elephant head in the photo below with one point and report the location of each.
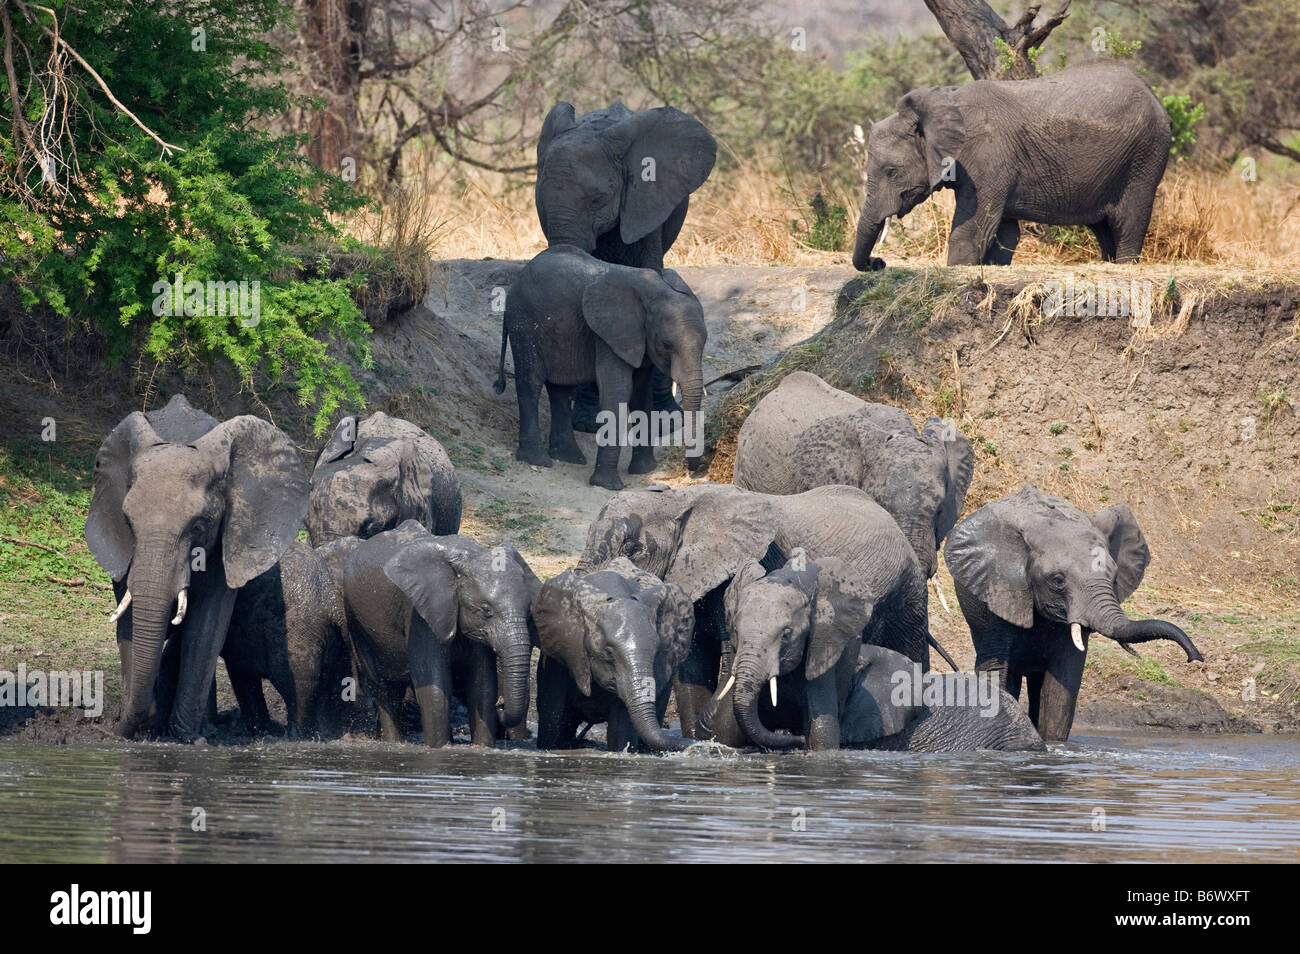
(922, 482)
(492, 590)
(797, 619)
(1032, 555)
(372, 475)
(909, 155)
(615, 169)
(622, 629)
(642, 313)
(183, 522)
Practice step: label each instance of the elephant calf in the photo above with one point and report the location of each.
(572, 319)
(611, 643)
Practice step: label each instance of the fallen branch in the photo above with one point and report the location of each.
(75, 581)
(32, 543)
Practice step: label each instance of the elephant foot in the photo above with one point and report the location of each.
(607, 480)
(535, 457)
(568, 455)
(642, 463)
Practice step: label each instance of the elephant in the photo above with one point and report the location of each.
(183, 516)
(699, 536)
(376, 473)
(1084, 146)
(882, 712)
(807, 434)
(1035, 576)
(617, 184)
(622, 629)
(290, 627)
(570, 319)
(442, 614)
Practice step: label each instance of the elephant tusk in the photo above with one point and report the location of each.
(771, 686)
(121, 607)
(677, 391)
(942, 599)
(182, 603)
(1076, 634)
(727, 688)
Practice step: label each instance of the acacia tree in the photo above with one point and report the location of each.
(992, 48)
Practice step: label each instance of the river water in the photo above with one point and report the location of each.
(1099, 798)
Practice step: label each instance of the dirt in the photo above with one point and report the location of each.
(1092, 409)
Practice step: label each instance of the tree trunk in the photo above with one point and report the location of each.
(975, 30)
(332, 30)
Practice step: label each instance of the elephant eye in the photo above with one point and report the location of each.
(1058, 580)
(787, 633)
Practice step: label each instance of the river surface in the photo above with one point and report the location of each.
(1100, 798)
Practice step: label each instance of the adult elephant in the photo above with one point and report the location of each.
(184, 521)
(1083, 146)
(807, 434)
(617, 184)
(1035, 576)
(611, 643)
(572, 319)
(700, 536)
(444, 615)
(377, 473)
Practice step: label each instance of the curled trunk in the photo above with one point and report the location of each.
(869, 229)
(1111, 621)
(637, 694)
(745, 705)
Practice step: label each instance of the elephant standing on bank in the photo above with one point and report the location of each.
(611, 643)
(185, 520)
(444, 615)
(807, 434)
(700, 536)
(1035, 576)
(375, 474)
(572, 319)
(1083, 146)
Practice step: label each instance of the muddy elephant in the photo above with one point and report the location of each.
(1035, 576)
(181, 522)
(699, 536)
(441, 614)
(1083, 146)
(807, 434)
(572, 319)
(290, 628)
(611, 643)
(373, 474)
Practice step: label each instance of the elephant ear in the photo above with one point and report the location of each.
(266, 494)
(422, 571)
(842, 611)
(612, 308)
(563, 626)
(960, 467)
(750, 572)
(108, 535)
(180, 422)
(987, 555)
(675, 622)
(676, 282)
(683, 154)
(1127, 546)
(722, 531)
(341, 442)
(560, 119)
(940, 124)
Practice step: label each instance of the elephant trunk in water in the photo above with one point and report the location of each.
(869, 228)
(1105, 616)
(514, 656)
(154, 595)
(636, 689)
(750, 676)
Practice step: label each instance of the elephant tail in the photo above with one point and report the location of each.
(500, 384)
(934, 643)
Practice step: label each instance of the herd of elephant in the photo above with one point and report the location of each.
(809, 572)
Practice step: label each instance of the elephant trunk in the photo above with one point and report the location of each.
(636, 690)
(514, 658)
(152, 609)
(749, 678)
(920, 535)
(690, 377)
(869, 229)
(1112, 622)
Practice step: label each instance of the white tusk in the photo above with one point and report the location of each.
(942, 599)
(182, 602)
(121, 607)
(677, 392)
(771, 686)
(727, 688)
(1076, 634)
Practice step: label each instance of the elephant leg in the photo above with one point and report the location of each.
(975, 223)
(202, 637)
(388, 700)
(823, 711)
(614, 378)
(431, 679)
(247, 685)
(1034, 690)
(1129, 226)
(1105, 240)
(481, 699)
(620, 734)
(557, 724)
(694, 685)
(1004, 243)
(528, 389)
(562, 446)
(643, 454)
(169, 672)
(1059, 695)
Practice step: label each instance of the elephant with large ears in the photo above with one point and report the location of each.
(807, 434)
(1035, 576)
(444, 615)
(1083, 146)
(611, 643)
(184, 518)
(571, 319)
(699, 537)
(373, 474)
